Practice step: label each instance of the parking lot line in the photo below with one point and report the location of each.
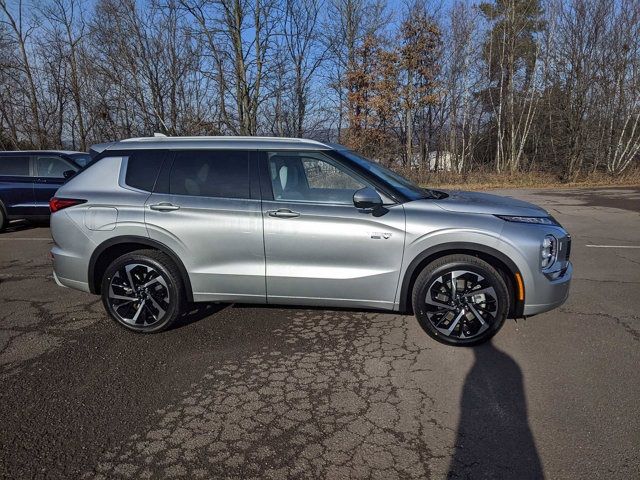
(613, 246)
(22, 239)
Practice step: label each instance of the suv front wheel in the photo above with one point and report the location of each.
(460, 300)
(142, 291)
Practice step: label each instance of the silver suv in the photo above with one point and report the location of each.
(154, 223)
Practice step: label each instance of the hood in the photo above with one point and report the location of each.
(476, 202)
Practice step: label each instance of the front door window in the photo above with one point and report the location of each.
(311, 177)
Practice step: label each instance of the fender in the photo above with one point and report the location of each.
(143, 241)
(450, 248)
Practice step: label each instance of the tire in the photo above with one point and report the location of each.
(474, 313)
(157, 297)
(3, 218)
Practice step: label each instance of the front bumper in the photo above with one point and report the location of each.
(549, 294)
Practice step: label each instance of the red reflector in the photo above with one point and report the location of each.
(56, 204)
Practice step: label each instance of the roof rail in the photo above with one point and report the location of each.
(159, 140)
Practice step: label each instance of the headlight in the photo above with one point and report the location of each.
(548, 252)
(535, 220)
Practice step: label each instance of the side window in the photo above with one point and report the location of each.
(311, 177)
(213, 173)
(143, 168)
(14, 166)
(82, 159)
(52, 167)
(323, 175)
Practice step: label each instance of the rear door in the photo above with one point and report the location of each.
(320, 249)
(206, 208)
(16, 185)
(49, 176)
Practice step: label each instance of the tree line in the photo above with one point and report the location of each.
(507, 85)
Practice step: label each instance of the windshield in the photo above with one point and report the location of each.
(406, 187)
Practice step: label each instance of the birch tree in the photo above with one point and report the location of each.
(511, 53)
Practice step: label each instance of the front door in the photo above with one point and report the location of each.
(320, 249)
(204, 210)
(49, 176)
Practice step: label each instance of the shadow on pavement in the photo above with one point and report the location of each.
(494, 439)
(21, 225)
(196, 312)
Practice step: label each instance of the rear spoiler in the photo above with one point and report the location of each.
(99, 148)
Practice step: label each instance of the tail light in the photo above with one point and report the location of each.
(57, 204)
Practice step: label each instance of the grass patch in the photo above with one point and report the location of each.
(486, 180)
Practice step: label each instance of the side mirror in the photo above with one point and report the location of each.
(68, 174)
(367, 198)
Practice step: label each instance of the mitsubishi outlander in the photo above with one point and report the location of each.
(152, 224)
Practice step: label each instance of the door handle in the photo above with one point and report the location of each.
(164, 207)
(283, 213)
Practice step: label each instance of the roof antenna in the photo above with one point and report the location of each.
(161, 135)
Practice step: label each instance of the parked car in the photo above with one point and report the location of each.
(154, 223)
(29, 179)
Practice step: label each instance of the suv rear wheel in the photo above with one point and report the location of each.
(460, 300)
(142, 291)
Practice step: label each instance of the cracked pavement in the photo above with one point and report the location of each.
(253, 392)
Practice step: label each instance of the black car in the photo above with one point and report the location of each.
(28, 179)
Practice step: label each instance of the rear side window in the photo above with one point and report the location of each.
(216, 173)
(143, 168)
(15, 166)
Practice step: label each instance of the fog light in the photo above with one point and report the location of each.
(549, 251)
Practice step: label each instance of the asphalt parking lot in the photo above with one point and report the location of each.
(246, 392)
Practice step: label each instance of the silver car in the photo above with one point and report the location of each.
(155, 223)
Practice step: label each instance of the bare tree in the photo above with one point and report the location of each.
(419, 49)
(151, 59)
(622, 63)
(67, 34)
(591, 93)
(459, 84)
(346, 25)
(306, 52)
(508, 85)
(20, 28)
(511, 53)
(239, 36)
